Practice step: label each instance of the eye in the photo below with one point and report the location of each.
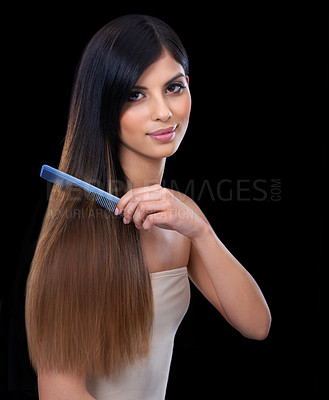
(135, 96)
(175, 88)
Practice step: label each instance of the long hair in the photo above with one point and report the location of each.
(89, 302)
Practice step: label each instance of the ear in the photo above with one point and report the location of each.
(187, 80)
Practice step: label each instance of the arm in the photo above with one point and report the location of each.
(55, 386)
(213, 269)
(225, 282)
(228, 286)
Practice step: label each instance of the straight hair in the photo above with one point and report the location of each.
(89, 302)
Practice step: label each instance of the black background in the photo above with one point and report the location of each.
(253, 158)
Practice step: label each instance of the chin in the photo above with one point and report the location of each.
(166, 150)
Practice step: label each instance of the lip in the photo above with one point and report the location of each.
(162, 131)
(163, 135)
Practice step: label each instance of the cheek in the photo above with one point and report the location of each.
(183, 109)
(130, 120)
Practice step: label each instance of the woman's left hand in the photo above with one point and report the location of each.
(155, 205)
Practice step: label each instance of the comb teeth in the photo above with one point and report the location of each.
(103, 198)
(105, 202)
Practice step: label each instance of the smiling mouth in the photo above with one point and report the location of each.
(163, 135)
(171, 129)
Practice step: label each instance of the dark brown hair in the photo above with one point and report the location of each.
(89, 303)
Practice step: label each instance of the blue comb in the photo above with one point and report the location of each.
(104, 199)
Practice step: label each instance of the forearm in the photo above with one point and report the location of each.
(239, 295)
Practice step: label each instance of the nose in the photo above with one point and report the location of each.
(160, 110)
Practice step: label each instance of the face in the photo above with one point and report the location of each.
(155, 118)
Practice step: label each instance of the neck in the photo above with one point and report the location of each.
(140, 170)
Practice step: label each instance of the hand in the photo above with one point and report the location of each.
(155, 205)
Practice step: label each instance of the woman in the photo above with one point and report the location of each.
(106, 293)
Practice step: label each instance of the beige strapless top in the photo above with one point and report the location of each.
(147, 380)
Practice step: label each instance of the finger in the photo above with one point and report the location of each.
(133, 192)
(144, 209)
(161, 219)
(141, 199)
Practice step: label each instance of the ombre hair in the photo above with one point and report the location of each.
(89, 302)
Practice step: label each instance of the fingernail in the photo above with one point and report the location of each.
(116, 211)
(125, 221)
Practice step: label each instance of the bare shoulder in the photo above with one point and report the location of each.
(183, 197)
(188, 201)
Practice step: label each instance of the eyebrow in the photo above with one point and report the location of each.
(167, 83)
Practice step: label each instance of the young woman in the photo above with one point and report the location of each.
(106, 293)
